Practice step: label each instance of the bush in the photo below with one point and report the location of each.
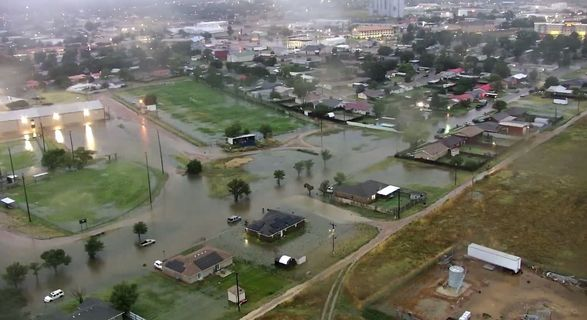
(194, 167)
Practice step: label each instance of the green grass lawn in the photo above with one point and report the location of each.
(20, 158)
(217, 176)
(211, 110)
(62, 97)
(98, 194)
(544, 106)
(161, 297)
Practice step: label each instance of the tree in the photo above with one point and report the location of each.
(238, 187)
(35, 267)
(309, 187)
(12, 301)
(500, 105)
(79, 293)
(15, 274)
(308, 164)
(279, 175)
(194, 167)
(93, 246)
(456, 162)
(55, 158)
(384, 51)
(580, 96)
(326, 155)
(379, 108)
(233, 130)
(339, 178)
(81, 157)
(436, 103)
(124, 296)
(54, 258)
(324, 185)
(533, 76)
(301, 88)
(415, 134)
(149, 99)
(139, 229)
(551, 81)
(299, 166)
(266, 131)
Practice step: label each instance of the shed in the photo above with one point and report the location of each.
(242, 140)
(236, 297)
(387, 191)
(365, 192)
(8, 202)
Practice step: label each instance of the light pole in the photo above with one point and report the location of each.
(238, 294)
(333, 235)
(26, 199)
(160, 152)
(11, 163)
(148, 180)
(71, 143)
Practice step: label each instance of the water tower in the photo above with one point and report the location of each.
(456, 277)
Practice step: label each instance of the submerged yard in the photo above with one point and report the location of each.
(210, 111)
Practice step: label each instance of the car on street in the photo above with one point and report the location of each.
(147, 242)
(158, 264)
(233, 219)
(54, 295)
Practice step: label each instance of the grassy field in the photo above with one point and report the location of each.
(217, 176)
(210, 111)
(98, 194)
(579, 73)
(161, 297)
(62, 97)
(536, 209)
(20, 158)
(545, 106)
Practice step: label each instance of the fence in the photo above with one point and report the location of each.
(393, 211)
(370, 126)
(133, 316)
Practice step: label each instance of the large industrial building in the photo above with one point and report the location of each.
(566, 28)
(387, 8)
(53, 117)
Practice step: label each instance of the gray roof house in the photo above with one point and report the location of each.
(274, 225)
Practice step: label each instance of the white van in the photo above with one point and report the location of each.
(466, 316)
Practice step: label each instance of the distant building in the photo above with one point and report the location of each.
(387, 8)
(197, 265)
(244, 56)
(377, 31)
(245, 140)
(561, 28)
(365, 192)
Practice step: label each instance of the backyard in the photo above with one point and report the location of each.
(99, 194)
(534, 209)
(210, 111)
(538, 105)
(21, 157)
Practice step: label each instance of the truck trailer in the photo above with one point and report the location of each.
(495, 257)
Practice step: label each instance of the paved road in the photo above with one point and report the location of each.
(393, 227)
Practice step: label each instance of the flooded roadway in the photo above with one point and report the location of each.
(183, 214)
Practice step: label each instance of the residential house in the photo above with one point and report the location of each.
(369, 94)
(453, 143)
(432, 151)
(244, 56)
(515, 128)
(331, 103)
(575, 83)
(469, 133)
(501, 116)
(359, 107)
(559, 91)
(516, 80)
(274, 225)
(365, 192)
(197, 265)
(89, 309)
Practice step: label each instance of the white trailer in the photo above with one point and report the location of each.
(495, 257)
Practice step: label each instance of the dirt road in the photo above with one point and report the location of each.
(393, 227)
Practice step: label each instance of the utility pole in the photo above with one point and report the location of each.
(11, 163)
(26, 199)
(71, 143)
(399, 196)
(238, 294)
(43, 137)
(160, 152)
(333, 234)
(148, 180)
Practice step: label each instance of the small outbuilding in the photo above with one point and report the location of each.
(285, 262)
(235, 296)
(244, 140)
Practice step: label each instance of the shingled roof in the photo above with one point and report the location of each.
(273, 222)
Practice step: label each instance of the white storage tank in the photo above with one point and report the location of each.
(456, 277)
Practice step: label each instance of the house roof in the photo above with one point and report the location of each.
(488, 126)
(500, 116)
(516, 111)
(469, 132)
(364, 189)
(374, 93)
(519, 76)
(50, 110)
(463, 97)
(94, 309)
(200, 260)
(452, 141)
(559, 89)
(273, 222)
(485, 87)
(516, 124)
(357, 105)
(456, 70)
(331, 103)
(434, 148)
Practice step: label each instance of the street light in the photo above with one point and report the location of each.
(332, 232)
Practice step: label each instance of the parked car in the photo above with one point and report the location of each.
(233, 219)
(54, 295)
(330, 189)
(147, 242)
(158, 264)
